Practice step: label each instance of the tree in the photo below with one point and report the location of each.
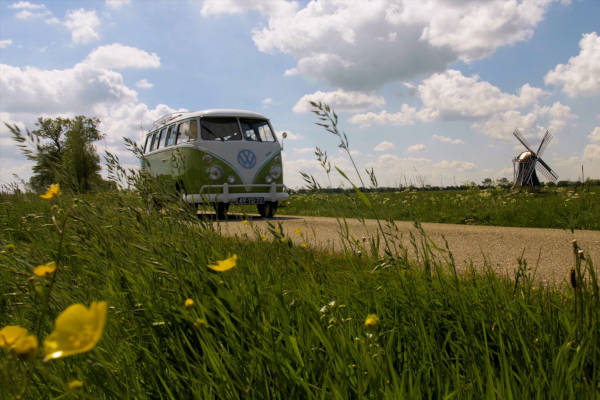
(63, 151)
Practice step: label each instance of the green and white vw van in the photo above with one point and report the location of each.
(219, 157)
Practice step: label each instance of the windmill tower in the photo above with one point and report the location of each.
(526, 163)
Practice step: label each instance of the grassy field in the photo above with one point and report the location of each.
(286, 321)
(553, 207)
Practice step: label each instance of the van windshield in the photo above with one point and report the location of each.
(219, 128)
(257, 130)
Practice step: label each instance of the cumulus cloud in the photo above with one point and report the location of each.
(406, 116)
(592, 152)
(83, 25)
(384, 146)
(451, 95)
(340, 100)
(118, 56)
(144, 84)
(460, 166)
(267, 7)
(595, 135)
(338, 41)
(267, 101)
(74, 89)
(581, 75)
(446, 139)
(116, 4)
(5, 43)
(416, 148)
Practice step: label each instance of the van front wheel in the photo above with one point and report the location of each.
(221, 210)
(268, 209)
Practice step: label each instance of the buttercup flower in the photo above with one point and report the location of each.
(76, 330)
(245, 222)
(224, 265)
(304, 245)
(53, 191)
(14, 338)
(371, 321)
(263, 237)
(189, 303)
(297, 231)
(45, 269)
(75, 384)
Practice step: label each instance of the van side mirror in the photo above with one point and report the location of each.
(284, 135)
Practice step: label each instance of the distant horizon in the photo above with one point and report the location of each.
(428, 91)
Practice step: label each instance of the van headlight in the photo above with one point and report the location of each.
(275, 171)
(214, 172)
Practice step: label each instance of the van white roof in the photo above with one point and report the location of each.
(217, 112)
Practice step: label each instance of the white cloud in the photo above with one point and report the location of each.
(446, 139)
(592, 152)
(118, 56)
(83, 25)
(406, 116)
(57, 91)
(144, 84)
(460, 166)
(595, 135)
(116, 4)
(269, 7)
(416, 148)
(27, 5)
(384, 146)
(451, 95)
(304, 150)
(340, 100)
(5, 43)
(338, 41)
(267, 101)
(581, 75)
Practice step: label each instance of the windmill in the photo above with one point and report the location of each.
(526, 163)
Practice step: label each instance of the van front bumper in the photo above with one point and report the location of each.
(271, 193)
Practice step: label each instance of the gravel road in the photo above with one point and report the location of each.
(501, 246)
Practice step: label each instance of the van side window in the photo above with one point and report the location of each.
(170, 140)
(193, 135)
(257, 130)
(154, 141)
(183, 132)
(220, 128)
(148, 140)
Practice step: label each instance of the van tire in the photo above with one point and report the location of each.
(221, 210)
(268, 209)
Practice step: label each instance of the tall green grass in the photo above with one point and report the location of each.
(553, 207)
(286, 322)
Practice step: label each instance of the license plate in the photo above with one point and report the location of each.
(251, 200)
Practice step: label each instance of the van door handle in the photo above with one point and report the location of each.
(164, 159)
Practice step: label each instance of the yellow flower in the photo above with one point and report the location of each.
(245, 222)
(200, 322)
(371, 321)
(283, 239)
(75, 384)
(263, 237)
(76, 330)
(45, 269)
(15, 338)
(53, 191)
(189, 303)
(224, 265)
(297, 231)
(304, 245)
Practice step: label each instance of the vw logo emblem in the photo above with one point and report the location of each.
(246, 158)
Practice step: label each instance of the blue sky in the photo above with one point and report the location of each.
(427, 91)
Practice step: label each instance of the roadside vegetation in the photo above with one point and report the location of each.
(284, 320)
(575, 207)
